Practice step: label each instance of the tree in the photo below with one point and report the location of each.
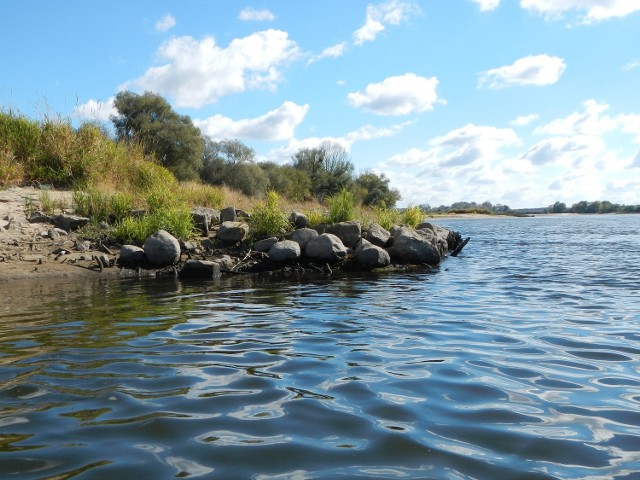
(328, 167)
(149, 120)
(373, 190)
(558, 207)
(287, 181)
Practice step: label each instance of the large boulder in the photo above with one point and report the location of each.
(232, 232)
(371, 256)
(228, 214)
(131, 255)
(299, 220)
(199, 269)
(302, 236)
(410, 246)
(265, 244)
(203, 217)
(377, 235)
(70, 222)
(284, 251)
(326, 247)
(162, 249)
(349, 232)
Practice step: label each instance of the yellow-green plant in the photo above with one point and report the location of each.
(267, 219)
(412, 216)
(387, 217)
(342, 206)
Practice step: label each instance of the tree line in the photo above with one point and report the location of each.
(178, 145)
(597, 206)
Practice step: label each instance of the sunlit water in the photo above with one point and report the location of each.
(520, 359)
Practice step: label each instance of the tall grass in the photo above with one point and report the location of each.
(342, 206)
(268, 219)
(413, 216)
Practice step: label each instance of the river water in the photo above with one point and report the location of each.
(519, 359)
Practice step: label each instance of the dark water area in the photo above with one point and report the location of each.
(519, 359)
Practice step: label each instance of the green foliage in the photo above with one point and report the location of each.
(267, 219)
(328, 168)
(342, 206)
(135, 230)
(149, 120)
(288, 181)
(412, 216)
(199, 195)
(374, 191)
(387, 217)
(317, 216)
(101, 206)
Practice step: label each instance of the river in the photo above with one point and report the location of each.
(519, 359)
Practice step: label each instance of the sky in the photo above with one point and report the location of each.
(516, 102)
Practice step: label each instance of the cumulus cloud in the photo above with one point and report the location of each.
(535, 70)
(199, 72)
(487, 5)
(592, 121)
(278, 124)
(95, 110)
(392, 12)
(166, 23)
(594, 10)
(577, 150)
(401, 95)
(252, 14)
(524, 120)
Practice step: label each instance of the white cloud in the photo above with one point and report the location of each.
(569, 151)
(166, 23)
(278, 124)
(590, 122)
(333, 51)
(199, 72)
(595, 10)
(524, 120)
(531, 70)
(400, 95)
(251, 14)
(96, 110)
(392, 12)
(487, 5)
(633, 64)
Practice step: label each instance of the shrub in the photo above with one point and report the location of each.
(267, 219)
(412, 216)
(387, 217)
(342, 206)
(135, 230)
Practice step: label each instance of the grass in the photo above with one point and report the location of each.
(342, 206)
(413, 216)
(268, 219)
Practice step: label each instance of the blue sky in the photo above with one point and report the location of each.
(518, 102)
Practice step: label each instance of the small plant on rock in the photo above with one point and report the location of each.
(267, 219)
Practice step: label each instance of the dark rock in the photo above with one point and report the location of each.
(265, 244)
(162, 249)
(131, 255)
(302, 236)
(349, 232)
(233, 232)
(299, 220)
(70, 222)
(199, 269)
(410, 246)
(326, 247)
(38, 217)
(371, 256)
(204, 217)
(377, 235)
(284, 251)
(228, 214)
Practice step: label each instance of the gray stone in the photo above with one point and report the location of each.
(83, 246)
(284, 251)
(37, 217)
(162, 249)
(371, 256)
(377, 235)
(349, 232)
(233, 232)
(299, 220)
(204, 217)
(53, 233)
(60, 232)
(302, 236)
(410, 246)
(226, 262)
(265, 244)
(326, 247)
(70, 222)
(131, 255)
(200, 269)
(228, 214)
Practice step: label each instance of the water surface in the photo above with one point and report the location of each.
(520, 359)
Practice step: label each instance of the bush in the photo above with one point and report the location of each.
(267, 219)
(342, 206)
(412, 216)
(387, 217)
(135, 230)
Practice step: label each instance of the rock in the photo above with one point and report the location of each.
(188, 246)
(371, 256)
(284, 251)
(265, 244)
(233, 232)
(349, 232)
(162, 249)
(60, 232)
(226, 262)
(410, 246)
(326, 247)
(83, 246)
(38, 217)
(203, 218)
(299, 220)
(302, 236)
(131, 255)
(199, 269)
(53, 234)
(377, 235)
(69, 222)
(228, 214)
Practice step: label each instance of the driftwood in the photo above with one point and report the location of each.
(459, 248)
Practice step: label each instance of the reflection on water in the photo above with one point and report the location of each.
(519, 359)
